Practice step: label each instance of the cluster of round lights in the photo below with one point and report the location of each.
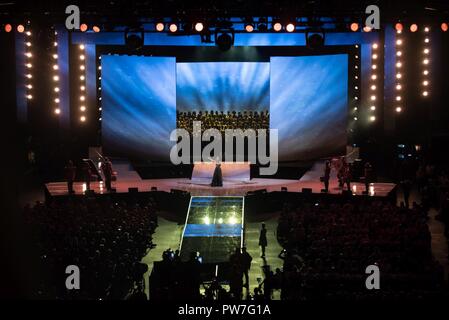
(356, 80)
(82, 97)
(28, 61)
(55, 68)
(84, 27)
(399, 68)
(248, 26)
(373, 81)
(425, 63)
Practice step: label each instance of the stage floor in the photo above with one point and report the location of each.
(311, 179)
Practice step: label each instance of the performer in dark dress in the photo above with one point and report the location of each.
(217, 179)
(106, 167)
(327, 174)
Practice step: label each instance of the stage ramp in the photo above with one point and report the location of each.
(214, 228)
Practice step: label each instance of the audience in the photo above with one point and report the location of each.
(105, 240)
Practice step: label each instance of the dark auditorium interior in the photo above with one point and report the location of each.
(235, 151)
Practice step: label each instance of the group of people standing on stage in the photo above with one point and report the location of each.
(344, 174)
(86, 174)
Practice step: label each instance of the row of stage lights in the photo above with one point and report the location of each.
(82, 83)
(373, 81)
(28, 63)
(249, 27)
(56, 88)
(399, 66)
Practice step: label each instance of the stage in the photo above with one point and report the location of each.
(128, 178)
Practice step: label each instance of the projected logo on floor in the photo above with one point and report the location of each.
(256, 151)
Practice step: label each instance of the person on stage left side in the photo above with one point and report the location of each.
(106, 167)
(70, 174)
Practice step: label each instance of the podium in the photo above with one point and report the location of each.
(231, 171)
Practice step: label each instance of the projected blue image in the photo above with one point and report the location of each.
(308, 105)
(138, 106)
(223, 86)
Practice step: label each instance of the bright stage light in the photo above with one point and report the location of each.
(83, 27)
(30, 86)
(398, 75)
(82, 118)
(444, 27)
(414, 27)
(29, 97)
(82, 67)
(373, 87)
(55, 44)
(277, 27)
(173, 27)
(399, 27)
(399, 53)
(425, 61)
(426, 40)
(82, 47)
(232, 220)
(354, 26)
(398, 109)
(220, 221)
(55, 56)
(249, 27)
(55, 67)
(82, 98)
(199, 26)
(29, 65)
(366, 29)
(426, 29)
(374, 56)
(372, 118)
(425, 72)
(29, 76)
(398, 98)
(82, 108)
(373, 77)
(83, 88)
(57, 100)
(96, 28)
(373, 98)
(375, 45)
(425, 83)
(398, 64)
(426, 51)
(28, 44)
(56, 89)
(82, 78)
(374, 67)
(20, 28)
(28, 33)
(373, 108)
(425, 93)
(82, 57)
(290, 27)
(160, 27)
(8, 27)
(55, 78)
(399, 42)
(57, 111)
(398, 87)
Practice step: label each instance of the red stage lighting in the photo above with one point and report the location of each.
(83, 27)
(249, 27)
(96, 29)
(354, 26)
(399, 27)
(444, 26)
(414, 27)
(8, 27)
(20, 28)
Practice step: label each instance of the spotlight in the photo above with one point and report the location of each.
(96, 28)
(373, 108)
(8, 27)
(55, 67)
(199, 26)
(160, 27)
(374, 56)
(20, 28)
(224, 41)
(83, 108)
(82, 47)
(414, 27)
(426, 51)
(399, 27)
(56, 89)
(83, 27)
(57, 111)
(398, 76)
(373, 98)
(425, 72)
(398, 109)
(82, 118)
(277, 26)
(30, 86)
(444, 27)
(249, 27)
(173, 27)
(29, 54)
(372, 118)
(366, 29)
(375, 45)
(425, 61)
(399, 53)
(426, 29)
(55, 56)
(398, 87)
(373, 77)
(398, 64)
(425, 83)
(426, 40)
(398, 98)
(57, 100)
(425, 93)
(373, 87)
(29, 97)
(82, 57)
(28, 33)
(354, 26)
(290, 27)
(399, 42)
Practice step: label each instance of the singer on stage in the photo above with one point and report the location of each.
(217, 179)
